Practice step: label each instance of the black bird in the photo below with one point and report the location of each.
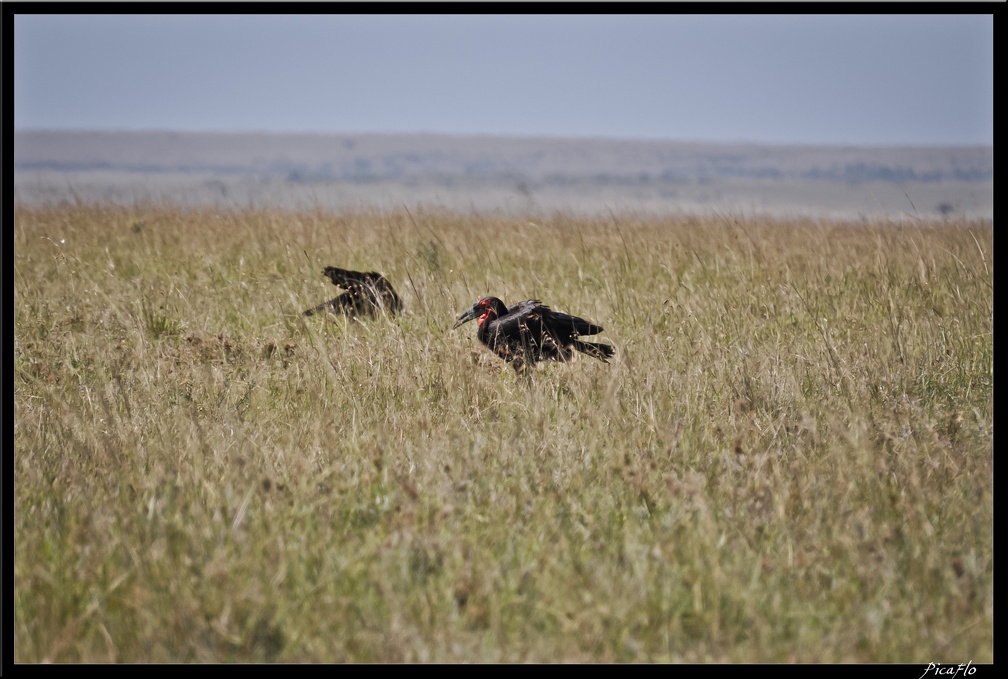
(530, 331)
(367, 292)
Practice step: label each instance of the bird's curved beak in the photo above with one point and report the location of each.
(467, 315)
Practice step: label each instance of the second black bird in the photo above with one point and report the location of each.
(530, 331)
(366, 293)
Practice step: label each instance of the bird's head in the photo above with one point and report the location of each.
(482, 310)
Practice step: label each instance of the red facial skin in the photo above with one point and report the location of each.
(485, 305)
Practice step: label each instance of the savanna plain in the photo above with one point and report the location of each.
(789, 459)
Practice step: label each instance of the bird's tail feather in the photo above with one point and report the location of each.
(602, 352)
(578, 326)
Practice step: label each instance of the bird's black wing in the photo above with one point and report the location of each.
(345, 278)
(569, 327)
(526, 307)
(526, 329)
(364, 288)
(520, 319)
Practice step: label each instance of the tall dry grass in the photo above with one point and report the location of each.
(789, 459)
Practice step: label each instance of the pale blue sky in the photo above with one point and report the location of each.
(843, 79)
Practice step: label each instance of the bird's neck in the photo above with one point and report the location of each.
(484, 322)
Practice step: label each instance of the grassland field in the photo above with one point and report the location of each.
(789, 459)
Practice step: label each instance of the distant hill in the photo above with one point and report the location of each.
(395, 156)
(548, 172)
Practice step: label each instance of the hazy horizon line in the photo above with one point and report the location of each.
(496, 135)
